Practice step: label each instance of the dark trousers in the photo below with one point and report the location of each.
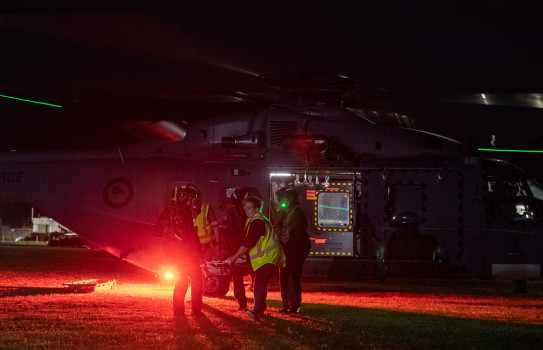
(194, 272)
(260, 290)
(289, 278)
(238, 274)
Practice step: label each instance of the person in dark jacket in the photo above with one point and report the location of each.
(233, 224)
(291, 228)
(182, 250)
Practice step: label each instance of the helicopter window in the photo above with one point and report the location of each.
(537, 191)
(405, 203)
(333, 209)
(536, 188)
(508, 199)
(384, 118)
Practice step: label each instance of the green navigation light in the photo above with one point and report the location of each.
(509, 150)
(31, 101)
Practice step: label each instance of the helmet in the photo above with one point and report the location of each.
(287, 197)
(188, 191)
(240, 193)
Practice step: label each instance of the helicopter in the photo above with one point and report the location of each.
(381, 199)
(383, 196)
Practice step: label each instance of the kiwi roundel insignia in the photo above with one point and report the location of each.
(118, 193)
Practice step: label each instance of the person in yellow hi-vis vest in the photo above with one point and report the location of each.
(204, 221)
(265, 252)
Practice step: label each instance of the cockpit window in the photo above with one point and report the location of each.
(333, 209)
(508, 199)
(506, 186)
(536, 188)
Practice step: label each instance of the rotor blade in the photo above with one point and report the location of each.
(156, 130)
(133, 33)
(526, 100)
(133, 53)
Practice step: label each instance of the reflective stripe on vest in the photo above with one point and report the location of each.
(260, 253)
(272, 253)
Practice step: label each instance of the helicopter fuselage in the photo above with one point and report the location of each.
(380, 199)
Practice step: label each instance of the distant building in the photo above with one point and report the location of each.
(47, 225)
(40, 224)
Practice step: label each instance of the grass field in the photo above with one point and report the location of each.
(36, 312)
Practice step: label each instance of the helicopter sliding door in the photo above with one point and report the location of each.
(411, 220)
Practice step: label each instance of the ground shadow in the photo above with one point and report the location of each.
(319, 326)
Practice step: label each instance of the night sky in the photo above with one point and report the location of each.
(131, 60)
(409, 47)
(164, 51)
